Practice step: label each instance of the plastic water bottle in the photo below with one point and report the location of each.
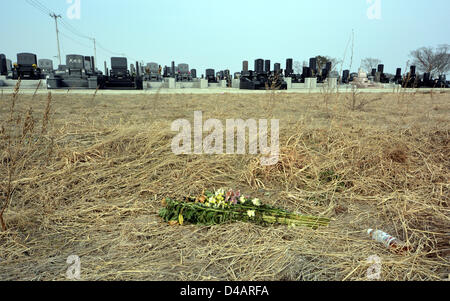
(388, 241)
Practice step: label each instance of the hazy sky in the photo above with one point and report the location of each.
(221, 34)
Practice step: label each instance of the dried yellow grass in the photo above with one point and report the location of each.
(93, 183)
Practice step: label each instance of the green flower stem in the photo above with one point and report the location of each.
(239, 212)
(284, 213)
(296, 222)
(281, 214)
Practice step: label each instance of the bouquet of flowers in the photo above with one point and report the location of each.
(219, 207)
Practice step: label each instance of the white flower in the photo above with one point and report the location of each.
(256, 202)
(242, 199)
(251, 213)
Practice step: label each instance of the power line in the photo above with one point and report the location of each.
(73, 40)
(77, 33)
(73, 30)
(36, 4)
(109, 51)
(114, 53)
(102, 49)
(46, 11)
(43, 9)
(42, 6)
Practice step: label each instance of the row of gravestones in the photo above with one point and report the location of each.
(77, 65)
(153, 71)
(32, 67)
(28, 67)
(264, 66)
(410, 80)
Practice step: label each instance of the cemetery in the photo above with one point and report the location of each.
(217, 142)
(79, 73)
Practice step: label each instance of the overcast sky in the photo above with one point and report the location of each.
(221, 34)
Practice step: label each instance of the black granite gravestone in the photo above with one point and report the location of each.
(267, 66)
(346, 76)
(259, 66)
(277, 68)
(210, 75)
(313, 66)
(289, 68)
(26, 67)
(3, 67)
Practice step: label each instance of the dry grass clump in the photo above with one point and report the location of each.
(90, 178)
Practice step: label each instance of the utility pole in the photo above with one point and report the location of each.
(95, 55)
(54, 16)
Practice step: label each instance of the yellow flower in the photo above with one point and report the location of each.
(251, 213)
(256, 202)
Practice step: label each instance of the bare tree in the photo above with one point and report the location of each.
(323, 60)
(433, 60)
(370, 63)
(443, 59)
(335, 62)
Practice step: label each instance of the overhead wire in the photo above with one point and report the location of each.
(39, 6)
(46, 11)
(73, 30)
(73, 40)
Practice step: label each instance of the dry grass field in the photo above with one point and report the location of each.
(84, 175)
